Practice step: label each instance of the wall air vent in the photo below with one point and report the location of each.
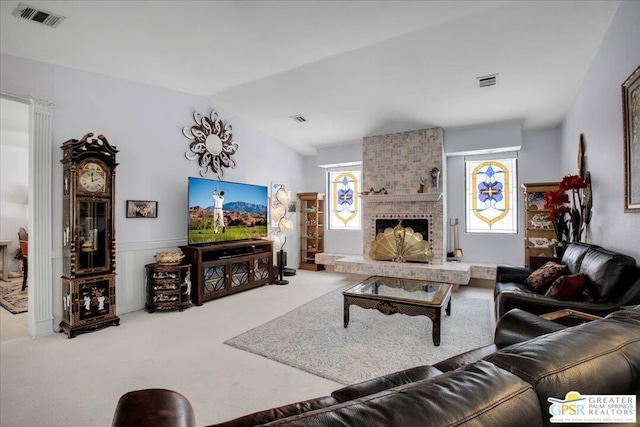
(298, 118)
(35, 14)
(486, 81)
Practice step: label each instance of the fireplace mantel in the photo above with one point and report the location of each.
(391, 198)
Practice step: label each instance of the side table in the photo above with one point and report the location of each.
(569, 317)
(168, 287)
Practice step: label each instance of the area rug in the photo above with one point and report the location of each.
(312, 338)
(11, 298)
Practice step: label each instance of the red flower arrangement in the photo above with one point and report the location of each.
(578, 208)
(556, 201)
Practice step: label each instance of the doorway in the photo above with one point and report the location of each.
(14, 197)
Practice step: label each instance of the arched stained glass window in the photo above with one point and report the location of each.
(491, 196)
(344, 200)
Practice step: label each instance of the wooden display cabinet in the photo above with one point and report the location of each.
(539, 230)
(224, 268)
(168, 287)
(311, 229)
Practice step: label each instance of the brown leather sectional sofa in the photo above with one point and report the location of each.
(503, 384)
(613, 281)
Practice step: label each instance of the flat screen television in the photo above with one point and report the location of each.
(241, 213)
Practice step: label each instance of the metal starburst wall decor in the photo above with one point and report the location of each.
(211, 143)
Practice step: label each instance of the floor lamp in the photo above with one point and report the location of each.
(285, 226)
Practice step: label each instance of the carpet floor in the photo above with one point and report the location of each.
(11, 297)
(312, 338)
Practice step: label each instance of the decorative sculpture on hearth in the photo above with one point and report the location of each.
(400, 244)
(211, 143)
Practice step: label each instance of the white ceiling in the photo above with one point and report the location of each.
(351, 68)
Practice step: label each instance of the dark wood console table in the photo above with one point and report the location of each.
(224, 268)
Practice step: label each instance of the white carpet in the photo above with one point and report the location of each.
(54, 381)
(312, 338)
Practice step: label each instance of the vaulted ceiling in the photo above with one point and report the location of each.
(351, 68)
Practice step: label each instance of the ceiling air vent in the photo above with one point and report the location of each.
(38, 15)
(487, 81)
(298, 118)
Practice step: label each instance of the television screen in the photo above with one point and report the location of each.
(221, 211)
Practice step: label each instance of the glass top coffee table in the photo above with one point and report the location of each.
(391, 295)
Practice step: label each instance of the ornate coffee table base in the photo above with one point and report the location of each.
(393, 307)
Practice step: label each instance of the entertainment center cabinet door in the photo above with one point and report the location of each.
(213, 281)
(262, 269)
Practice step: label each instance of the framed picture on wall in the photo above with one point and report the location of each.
(142, 209)
(631, 127)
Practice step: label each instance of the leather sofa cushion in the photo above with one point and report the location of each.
(480, 395)
(375, 385)
(274, 414)
(574, 254)
(599, 357)
(605, 271)
(626, 315)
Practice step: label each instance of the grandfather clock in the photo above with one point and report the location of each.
(89, 245)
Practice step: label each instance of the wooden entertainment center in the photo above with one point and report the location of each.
(224, 268)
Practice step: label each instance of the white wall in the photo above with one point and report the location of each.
(145, 124)
(537, 162)
(597, 113)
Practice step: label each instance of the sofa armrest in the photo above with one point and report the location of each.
(540, 304)
(507, 273)
(154, 407)
(517, 326)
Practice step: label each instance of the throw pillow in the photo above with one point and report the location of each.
(567, 288)
(545, 275)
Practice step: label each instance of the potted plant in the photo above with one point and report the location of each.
(570, 208)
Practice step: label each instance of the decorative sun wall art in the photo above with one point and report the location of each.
(211, 143)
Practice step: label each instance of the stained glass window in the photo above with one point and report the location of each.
(344, 200)
(491, 196)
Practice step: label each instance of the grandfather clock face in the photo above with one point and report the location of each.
(92, 177)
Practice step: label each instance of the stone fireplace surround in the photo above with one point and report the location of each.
(398, 162)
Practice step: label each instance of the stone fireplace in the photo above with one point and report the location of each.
(399, 163)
